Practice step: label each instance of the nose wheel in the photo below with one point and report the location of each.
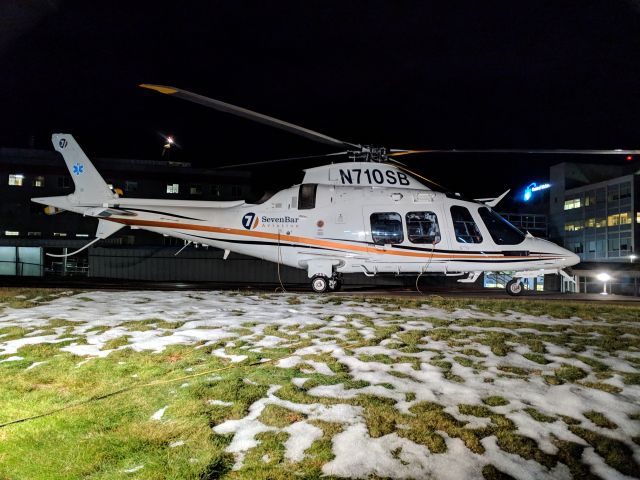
(515, 287)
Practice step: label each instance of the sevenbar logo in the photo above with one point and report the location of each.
(285, 219)
(250, 221)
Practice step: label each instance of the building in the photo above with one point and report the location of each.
(27, 233)
(594, 211)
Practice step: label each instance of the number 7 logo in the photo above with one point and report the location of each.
(248, 221)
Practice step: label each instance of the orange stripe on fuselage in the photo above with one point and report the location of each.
(304, 240)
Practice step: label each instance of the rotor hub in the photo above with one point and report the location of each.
(368, 153)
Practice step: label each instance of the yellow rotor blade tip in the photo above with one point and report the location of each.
(159, 88)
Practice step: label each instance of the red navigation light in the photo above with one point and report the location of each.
(629, 158)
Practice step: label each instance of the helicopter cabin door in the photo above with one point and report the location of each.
(403, 239)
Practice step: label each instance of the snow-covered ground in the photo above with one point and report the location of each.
(411, 356)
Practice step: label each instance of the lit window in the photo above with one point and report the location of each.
(601, 223)
(613, 220)
(573, 226)
(195, 190)
(11, 233)
(82, 235)
(625, 218)
(59, 234)
(173, 188)
(571, 204)
(637, 217)
(590, 223)
(16, 179)
(38, 181)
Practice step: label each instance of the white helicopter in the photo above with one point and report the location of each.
(369, 215)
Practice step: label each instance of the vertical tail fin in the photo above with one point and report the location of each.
(90, 186)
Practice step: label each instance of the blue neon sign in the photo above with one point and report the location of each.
(534, 187)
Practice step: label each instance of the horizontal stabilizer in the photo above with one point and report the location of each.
(107, 228)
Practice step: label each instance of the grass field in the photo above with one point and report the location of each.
(231, 385)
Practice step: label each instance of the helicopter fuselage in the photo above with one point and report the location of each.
(356, 229)
(348, 217)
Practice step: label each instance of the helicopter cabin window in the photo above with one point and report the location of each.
(502, 232)
(386, 228)
(465, 228)
(307, 196)
(422, 227)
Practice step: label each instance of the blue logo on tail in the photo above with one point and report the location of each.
(78, 169)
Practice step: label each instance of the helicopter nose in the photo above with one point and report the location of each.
(567, 257)
(570, 259)
(564, 258)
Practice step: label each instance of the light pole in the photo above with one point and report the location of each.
(604, 278)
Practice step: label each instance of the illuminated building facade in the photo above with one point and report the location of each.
(594, 210)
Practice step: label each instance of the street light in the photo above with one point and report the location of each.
(604, 278)
(632, 257)
(169, 142)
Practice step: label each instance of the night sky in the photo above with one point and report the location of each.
(512, 74)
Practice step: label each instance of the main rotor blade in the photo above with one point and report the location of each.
(411, 172)
(561, 151)
(279, 160)
(248, 114)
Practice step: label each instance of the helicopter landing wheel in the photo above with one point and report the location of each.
(515, 287)
(320, 284)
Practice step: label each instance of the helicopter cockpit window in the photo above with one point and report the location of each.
(465, 228)
(422, 227)
(307, 196)
(502, 232)
(386, 228)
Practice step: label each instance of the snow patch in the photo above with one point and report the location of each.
(158, 415)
